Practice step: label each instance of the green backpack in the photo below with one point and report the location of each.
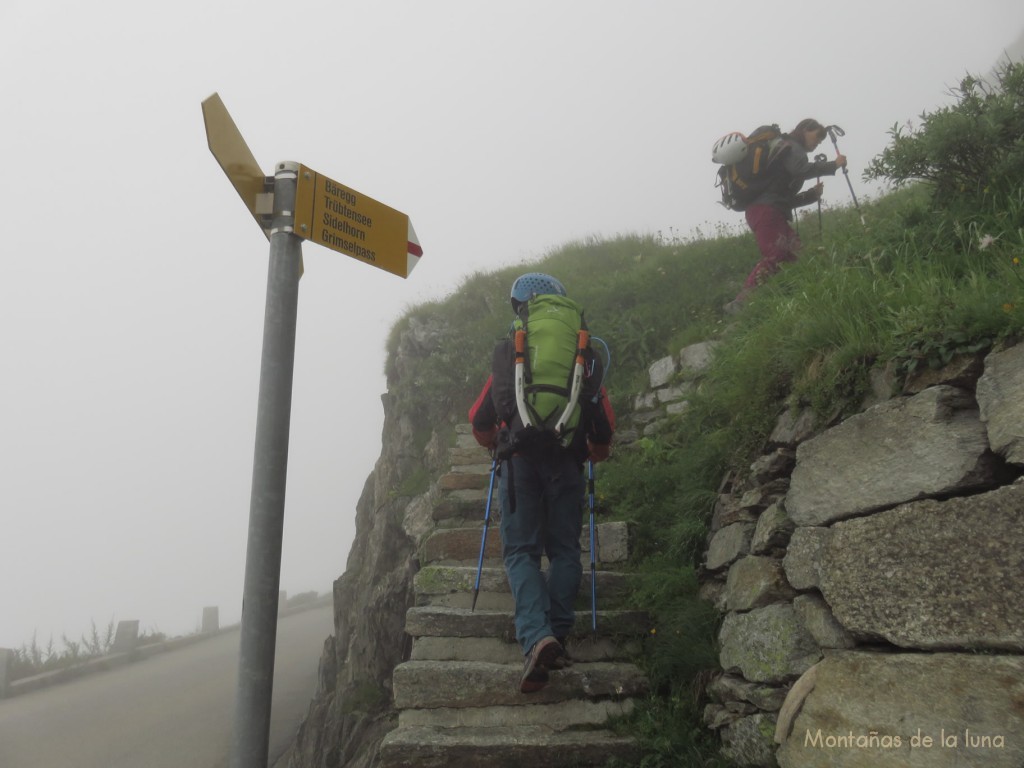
(541, 379)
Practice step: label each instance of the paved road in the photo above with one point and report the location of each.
(172, 710)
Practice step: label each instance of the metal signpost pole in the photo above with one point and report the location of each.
(349, 222)
(270, 468)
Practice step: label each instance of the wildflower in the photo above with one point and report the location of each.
(1008, 307)
(1016, 261)
(985, 241)
(654, 631)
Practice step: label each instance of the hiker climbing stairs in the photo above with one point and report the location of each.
(458, 694)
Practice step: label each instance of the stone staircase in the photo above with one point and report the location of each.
(457, 696)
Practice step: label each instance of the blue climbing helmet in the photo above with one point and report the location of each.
(534, 284)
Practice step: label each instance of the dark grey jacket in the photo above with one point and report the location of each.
(789, 169)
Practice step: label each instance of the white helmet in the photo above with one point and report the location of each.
(729, 149)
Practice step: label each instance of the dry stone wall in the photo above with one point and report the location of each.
(870, 574)
(672, 380)
(870, 577)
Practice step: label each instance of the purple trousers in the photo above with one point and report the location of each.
(776, 240)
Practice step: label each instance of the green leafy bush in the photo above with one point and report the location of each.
(971, 152)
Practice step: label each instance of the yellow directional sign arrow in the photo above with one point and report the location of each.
(235, 157)
(334, 215)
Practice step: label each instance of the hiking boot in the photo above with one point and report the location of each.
(733, 307)
(542, 657)
(565, 660)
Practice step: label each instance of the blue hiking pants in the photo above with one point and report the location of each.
(543, 515)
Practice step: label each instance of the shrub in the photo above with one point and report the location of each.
(971, 152)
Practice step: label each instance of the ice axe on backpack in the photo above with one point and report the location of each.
(833, 131)
(483, 538)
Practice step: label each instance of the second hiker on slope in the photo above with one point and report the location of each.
(770, 212)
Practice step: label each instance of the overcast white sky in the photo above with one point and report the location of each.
(133, 287)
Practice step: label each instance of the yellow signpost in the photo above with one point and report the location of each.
(302, 205)
(334, 215)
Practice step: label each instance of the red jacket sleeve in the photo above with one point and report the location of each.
(483, 417)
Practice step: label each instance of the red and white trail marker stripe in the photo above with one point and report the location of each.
(415, 250)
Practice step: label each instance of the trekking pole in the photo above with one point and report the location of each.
(820, 158)
(593, 556)
(833, 130)
(590, 489)
(483, 538)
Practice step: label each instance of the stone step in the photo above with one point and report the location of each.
(460, 684)
(510, 747)
(486, 601)
(561, 716)
(464, 435)
(502, 651)
(452, 586)
(433, 621)
(467, 504)
(460, 481)
(451, 546)
(465, 456)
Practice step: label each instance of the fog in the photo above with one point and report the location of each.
(132, 299)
